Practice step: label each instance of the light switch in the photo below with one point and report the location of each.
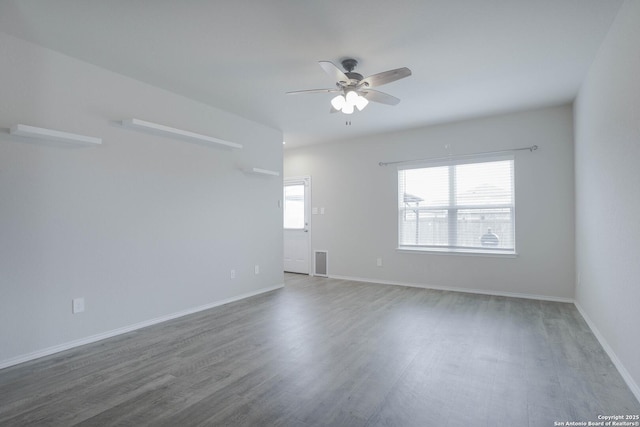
(77, 305)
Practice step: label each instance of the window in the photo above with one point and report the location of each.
(294, 206)
(465, 206)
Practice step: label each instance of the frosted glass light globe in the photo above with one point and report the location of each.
(351, 97)
(338, 102)
(361, 102)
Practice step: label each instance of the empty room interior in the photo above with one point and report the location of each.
(340, 213)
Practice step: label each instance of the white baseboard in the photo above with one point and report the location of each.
(635, 389)
(454, 289)
(130, 328)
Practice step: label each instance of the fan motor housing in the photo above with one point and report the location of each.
(349, 65)
(354, 76)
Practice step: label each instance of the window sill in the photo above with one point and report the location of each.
(463, 252)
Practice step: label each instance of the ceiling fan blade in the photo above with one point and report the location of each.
(385, 77)
(334, 72)
(296, 92)
(381, 97)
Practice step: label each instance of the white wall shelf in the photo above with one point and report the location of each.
(258, 171)
(176, 133)
(52, 135)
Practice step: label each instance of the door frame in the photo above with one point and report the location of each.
(306, 179)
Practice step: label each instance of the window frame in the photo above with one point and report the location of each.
(452, 209)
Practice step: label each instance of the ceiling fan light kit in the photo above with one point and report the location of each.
(354, 90)
(346, 103)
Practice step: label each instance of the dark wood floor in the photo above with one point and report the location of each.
(337, 353)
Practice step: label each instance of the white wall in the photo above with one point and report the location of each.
(142, 226)
(607, 156)
(360, 223)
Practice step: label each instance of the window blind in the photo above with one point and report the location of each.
(463, 206)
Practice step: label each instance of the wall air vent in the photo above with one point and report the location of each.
(320, 263)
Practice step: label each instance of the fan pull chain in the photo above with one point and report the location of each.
(347, 123)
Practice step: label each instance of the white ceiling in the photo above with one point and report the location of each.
(469, 58)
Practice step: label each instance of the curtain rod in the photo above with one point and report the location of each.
(531, 149)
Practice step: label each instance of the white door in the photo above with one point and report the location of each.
(297, 233)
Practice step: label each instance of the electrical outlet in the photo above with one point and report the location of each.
(257, 269)
(77, 305)
(379, 262)
(233, 274)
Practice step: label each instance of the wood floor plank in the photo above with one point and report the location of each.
(326, 352)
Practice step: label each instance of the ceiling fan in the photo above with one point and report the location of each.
(353, 89)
